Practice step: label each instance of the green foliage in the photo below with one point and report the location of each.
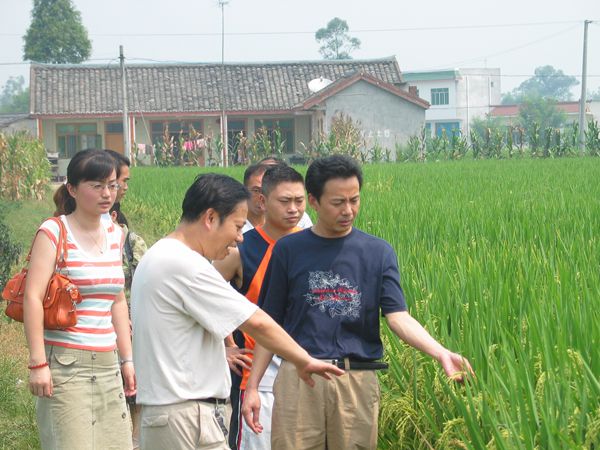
(24, 167)
(499, 262)
(547, 82)
(540, 112)
(264, 144)
(14, 97)
(592, 138)
(344, 138)
(9, 252)
(335, 41)
(18, 428)
(56, 34)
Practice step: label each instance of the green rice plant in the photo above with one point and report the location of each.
(500, 261)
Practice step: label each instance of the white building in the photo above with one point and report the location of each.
(457, 96)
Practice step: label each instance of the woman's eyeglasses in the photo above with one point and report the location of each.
(99, 187)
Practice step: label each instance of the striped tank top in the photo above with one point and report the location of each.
(99, 279)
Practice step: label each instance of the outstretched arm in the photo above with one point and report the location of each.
(412, 332)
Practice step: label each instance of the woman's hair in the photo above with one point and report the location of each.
(86, 165)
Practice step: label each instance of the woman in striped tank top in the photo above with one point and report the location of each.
(75, 372)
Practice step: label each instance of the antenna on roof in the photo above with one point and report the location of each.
(318, 83)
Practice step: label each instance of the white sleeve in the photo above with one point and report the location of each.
(214, 304)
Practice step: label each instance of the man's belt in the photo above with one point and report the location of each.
(351, 364)
(214, 400)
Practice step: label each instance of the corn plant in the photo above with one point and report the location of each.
(24, 167)
(592, 138)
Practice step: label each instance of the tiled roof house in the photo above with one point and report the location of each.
(79, 106)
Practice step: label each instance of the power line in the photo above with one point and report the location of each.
(519, 47)
(358, 30)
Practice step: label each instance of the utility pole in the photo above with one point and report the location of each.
(582, 122)
(223, 98)
(126, 138)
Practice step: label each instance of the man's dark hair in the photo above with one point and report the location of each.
(211, 190)
(253, 169)
(324, 169)
(277, 174)
(121, 219)
(272, 160)
(120, 160)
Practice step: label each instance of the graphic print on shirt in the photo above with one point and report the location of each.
(333, 294)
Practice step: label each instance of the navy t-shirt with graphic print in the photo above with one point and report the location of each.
(328, 293)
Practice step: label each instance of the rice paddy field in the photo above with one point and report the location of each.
(500, 261)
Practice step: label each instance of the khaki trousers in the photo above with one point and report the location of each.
(190, 425)
(340, 414)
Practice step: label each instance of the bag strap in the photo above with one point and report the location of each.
(61, 256)
(61, 246)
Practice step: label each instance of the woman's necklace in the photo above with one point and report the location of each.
(100, 248)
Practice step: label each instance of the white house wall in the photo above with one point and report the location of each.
(384, 118)
(476, 91)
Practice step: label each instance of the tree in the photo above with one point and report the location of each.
(14, 97)
(540, 113)
(547, 82)
(335, 41)
(56, 34)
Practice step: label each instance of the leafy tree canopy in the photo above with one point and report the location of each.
(547, 82)
(540, 111)
(56, 34)
(14, 97)
(335, 41)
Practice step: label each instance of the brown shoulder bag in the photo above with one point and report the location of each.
(61, 297)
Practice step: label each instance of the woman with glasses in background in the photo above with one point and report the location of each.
(76, 372)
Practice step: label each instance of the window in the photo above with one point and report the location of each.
(176, 129)
(440, 96)
(449, 128)
(285, 128)
(72, 138)
(114, 127)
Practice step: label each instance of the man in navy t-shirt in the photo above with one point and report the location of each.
(327, 287)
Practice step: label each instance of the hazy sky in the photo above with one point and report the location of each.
(515, 35)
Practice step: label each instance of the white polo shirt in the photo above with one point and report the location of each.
(182, 310)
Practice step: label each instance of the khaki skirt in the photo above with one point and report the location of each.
(87, 409)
